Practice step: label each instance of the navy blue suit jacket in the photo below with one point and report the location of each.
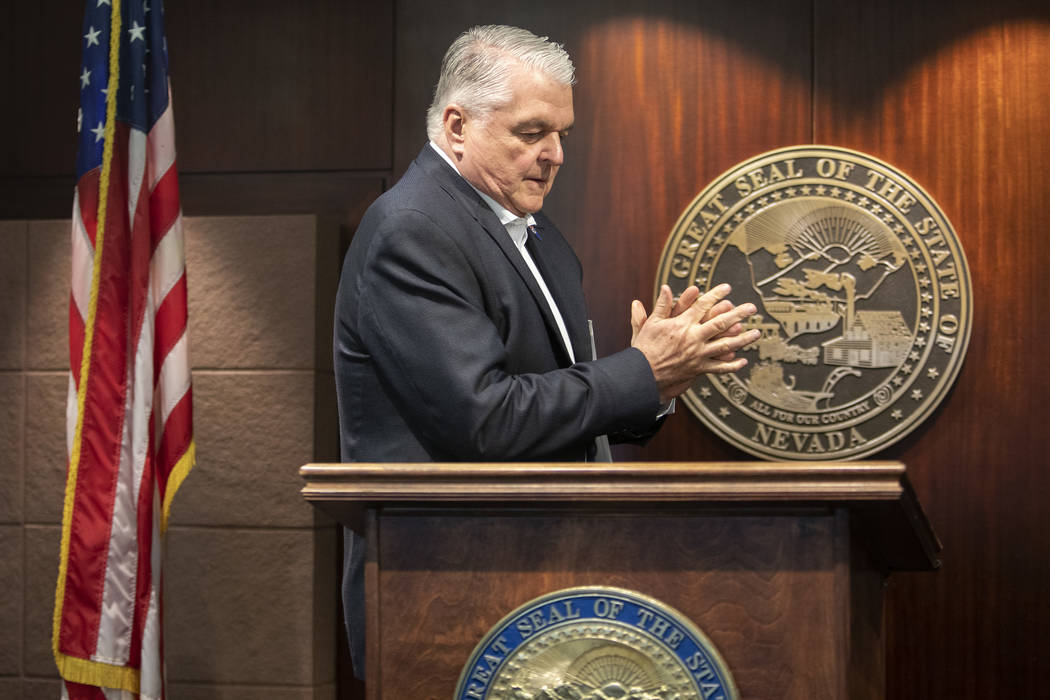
(446, 350)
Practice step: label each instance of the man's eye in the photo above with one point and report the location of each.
(532, 136)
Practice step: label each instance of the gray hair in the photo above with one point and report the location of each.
(477, 66)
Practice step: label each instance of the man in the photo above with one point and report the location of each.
(461, 329)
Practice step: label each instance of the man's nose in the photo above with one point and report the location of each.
(552, 151)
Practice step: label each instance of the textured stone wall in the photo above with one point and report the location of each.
(250, 592)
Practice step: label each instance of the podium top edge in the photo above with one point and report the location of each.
(739, 469)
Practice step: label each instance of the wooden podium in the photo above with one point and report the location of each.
(782, 565)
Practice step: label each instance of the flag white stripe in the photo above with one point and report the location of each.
(136, 171)
(71, 415)
(168, 263)
(151, 679)
(161, 145)
(173, 382)
(83, 260)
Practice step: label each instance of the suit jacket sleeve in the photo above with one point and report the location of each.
(427, 316)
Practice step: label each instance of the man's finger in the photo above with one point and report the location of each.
(719, 308)
(686, 299)
(703, 305)
(727, 367)
(664, 303)
(722, 323)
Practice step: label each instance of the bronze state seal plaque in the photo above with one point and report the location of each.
(595, 643)
(863, 296)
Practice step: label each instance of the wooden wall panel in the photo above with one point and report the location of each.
(260, 86)
(671, 94)
(41, 50)
(270, 85)
(957, 95)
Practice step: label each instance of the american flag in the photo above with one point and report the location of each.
(129, 416)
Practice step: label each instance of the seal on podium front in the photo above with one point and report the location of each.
(595, 643)
(863, 295)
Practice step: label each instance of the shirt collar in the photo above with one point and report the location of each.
(517, 226)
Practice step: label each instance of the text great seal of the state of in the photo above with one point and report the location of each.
(863, 295)
(595, 643)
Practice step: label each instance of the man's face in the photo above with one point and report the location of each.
(513, 154)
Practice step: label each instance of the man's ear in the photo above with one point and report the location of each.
(455, 120)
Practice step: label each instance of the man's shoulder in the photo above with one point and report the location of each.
(428, 186)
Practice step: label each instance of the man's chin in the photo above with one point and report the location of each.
(531, 203)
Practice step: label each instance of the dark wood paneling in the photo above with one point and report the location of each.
(762, 588)
(258, 85)
(41, 51)
(665, 103)
(271, 85)
(954, 94)
(957, 95)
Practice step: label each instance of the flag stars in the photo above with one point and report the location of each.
(92, 36)
(85, 78)
(137, 32)
(99, 131)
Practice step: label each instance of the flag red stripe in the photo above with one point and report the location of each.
(102, 425)
(164, 205)
(79, 691)
(178, 432)
(87, 195)
(169, 325)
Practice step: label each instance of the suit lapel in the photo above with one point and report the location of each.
(461, 191)
(566, 292)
